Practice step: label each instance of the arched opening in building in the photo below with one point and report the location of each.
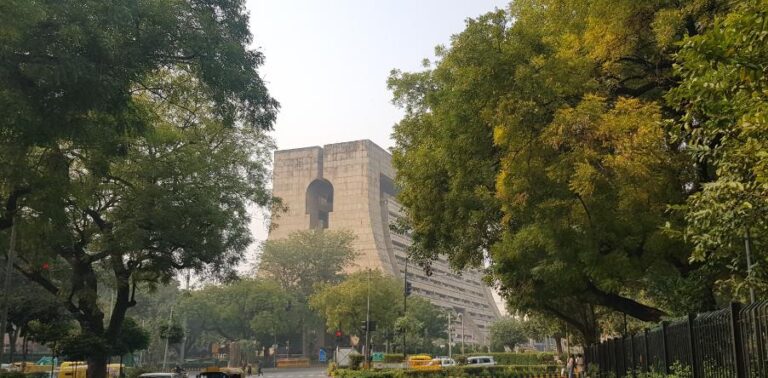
(319, 203)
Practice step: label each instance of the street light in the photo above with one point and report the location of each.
(461, 316)
(449, 334)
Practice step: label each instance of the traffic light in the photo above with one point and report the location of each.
(338, 335)
(408, 289)
(371, 326)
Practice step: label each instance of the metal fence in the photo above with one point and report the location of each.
(731, 342)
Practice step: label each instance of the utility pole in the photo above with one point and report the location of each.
(7, 288)
(405, 299)
(461, 315)
(182, 354)
(165, 353)
(368, 321)
(747, 243)
(449, 335)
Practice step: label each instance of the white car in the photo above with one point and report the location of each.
(444, 361)
(480, 361)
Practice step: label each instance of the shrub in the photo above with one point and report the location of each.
(355, 360)
(11, 374)
(542, 358)
(393, 358)
(459, 371)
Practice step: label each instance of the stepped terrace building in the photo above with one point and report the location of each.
(351, 186)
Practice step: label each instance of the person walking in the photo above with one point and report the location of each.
(570, 365)
(579, 365)
(250, 371)
(258, 368)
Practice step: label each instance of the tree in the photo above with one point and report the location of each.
(343, 305)
(560, 105)
(246, 309)
(424, 323)
(301, 262)
(34, 313)
(134, 141)
(306, 258)
(132, 338)
(506, 333)
(722, 97)
(542, 326)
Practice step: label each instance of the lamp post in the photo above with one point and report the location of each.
(368, 321)
(449, 335)
(165, 353)
(461, 316)
(405, 300)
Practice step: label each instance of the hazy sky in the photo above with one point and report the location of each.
(327, 62)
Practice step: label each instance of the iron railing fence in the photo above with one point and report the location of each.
(730, 342)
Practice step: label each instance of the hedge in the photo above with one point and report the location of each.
(459, 371)
(392, 358)
(540, 358)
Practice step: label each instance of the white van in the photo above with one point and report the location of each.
(480, 361)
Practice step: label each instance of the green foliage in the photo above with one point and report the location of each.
(561, 107)
(521, 359)
(460, 371)
(507, 332)
(344, 304)
(132, 338)
(11, 374)
(134, 142)
(724, 126)
(306, 259)
(246, 309)
(356, 360)
(172, 332)
(393, 358)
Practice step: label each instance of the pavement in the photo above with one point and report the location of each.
(317, 372)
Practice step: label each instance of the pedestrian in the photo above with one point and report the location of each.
(249, 370)
(570, 365)
(579, 364)
(258, 368)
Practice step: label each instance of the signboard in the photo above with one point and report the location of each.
(322, 357)
(377, 357)
(342, 356)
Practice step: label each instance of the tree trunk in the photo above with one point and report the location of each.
(559, 344)
(97, 366)
(13, 336)
(24, 349)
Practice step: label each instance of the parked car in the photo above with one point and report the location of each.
(160, 375)
(444, 361)
(480, 361)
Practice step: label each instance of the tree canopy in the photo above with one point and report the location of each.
(133, 137)
(506, 333)
(577, 158)
(307, 258)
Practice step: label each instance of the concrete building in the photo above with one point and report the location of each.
(351, 186)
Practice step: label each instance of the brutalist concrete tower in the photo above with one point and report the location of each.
(350, 186)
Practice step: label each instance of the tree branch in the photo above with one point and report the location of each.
(625, 305)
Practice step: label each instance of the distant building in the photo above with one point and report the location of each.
(351, 186)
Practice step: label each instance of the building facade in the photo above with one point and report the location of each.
(350, 186)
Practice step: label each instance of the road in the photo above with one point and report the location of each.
(294, 373)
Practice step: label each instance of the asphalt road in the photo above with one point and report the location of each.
(294, 373)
